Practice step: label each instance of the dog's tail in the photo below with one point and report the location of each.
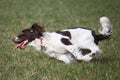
(105, 29)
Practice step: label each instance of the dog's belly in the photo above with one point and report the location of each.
(54, 51)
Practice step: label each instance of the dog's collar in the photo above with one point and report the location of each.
(41, 39)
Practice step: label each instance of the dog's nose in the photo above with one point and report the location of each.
(15, 39)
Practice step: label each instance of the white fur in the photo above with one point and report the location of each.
(36, 44)
(106, 26)
(80, 39)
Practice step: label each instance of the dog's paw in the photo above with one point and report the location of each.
(97, 54)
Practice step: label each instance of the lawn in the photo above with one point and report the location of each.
(29, 64)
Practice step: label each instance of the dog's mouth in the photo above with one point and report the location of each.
(22, 44)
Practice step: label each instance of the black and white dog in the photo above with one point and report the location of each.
(65, 45)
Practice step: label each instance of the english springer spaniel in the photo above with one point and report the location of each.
(65, 45)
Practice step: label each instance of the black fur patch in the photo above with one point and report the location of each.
(64, 33)
(102, 37)
(65, 41)
(99, 37)
(95, 37)
(81, 28)
(85, 51)
(86, 28)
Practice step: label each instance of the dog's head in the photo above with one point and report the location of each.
(28, 35)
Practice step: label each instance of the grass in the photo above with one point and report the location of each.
(28, 64)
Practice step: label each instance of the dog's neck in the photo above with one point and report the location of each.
(46, 34)
(38, 42)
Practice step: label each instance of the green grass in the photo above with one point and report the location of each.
(28, 64)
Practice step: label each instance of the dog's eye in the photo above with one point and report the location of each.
(31, 31)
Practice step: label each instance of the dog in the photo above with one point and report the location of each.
(65, 45)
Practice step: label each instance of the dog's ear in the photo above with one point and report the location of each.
(43, 28)
(35, 26)
(38, 30)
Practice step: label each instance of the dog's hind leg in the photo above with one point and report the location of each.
(95, 51)
(74, 50)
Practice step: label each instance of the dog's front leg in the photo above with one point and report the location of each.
(64, 58)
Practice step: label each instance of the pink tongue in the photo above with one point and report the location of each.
(22, 44)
